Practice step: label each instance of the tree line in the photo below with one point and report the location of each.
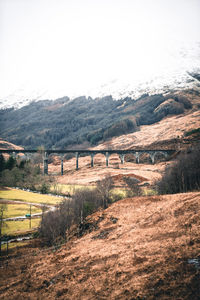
(23, 174)
(183, 175)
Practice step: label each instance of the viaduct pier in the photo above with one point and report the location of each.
(46, 153)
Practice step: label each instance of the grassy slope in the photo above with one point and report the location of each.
(14, 194)
(20, 227)
(141, 249)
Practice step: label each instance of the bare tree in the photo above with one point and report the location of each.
(183, 175)
(55, 223)
(104, 188)
(132, 183)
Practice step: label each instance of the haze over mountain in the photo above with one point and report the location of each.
(96, 48)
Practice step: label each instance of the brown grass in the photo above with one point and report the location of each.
(139, 251)
(8, 145)
(89, 176)
(167, 129)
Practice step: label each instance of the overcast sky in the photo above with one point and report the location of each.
(69, 46)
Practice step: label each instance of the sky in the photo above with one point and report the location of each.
(68, 47)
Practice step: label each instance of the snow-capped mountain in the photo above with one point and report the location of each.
(117, 88)
(159, 84)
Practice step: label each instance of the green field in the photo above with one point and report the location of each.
(14, 245)
(15, 210)
(20, 227)
(120, 192)
(149, 192)
(24, 196)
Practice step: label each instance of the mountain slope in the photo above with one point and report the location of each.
(7, 145)
(172, 132)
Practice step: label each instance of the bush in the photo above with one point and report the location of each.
(104, 188)
(24, 174)
(11, 177)
(123, 127)
(45, 188)
(169, 107)
(74, 212)
(10, 163)
(134, 189)
(183, 175)
(85, 202)
(55, 223)
(2, 163)
(182, 99)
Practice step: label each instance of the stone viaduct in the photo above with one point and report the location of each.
(92, 153)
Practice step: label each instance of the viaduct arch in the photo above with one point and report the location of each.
(92, 153)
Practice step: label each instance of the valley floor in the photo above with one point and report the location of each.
(139, 248)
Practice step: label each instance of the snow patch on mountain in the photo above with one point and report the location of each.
(118, 88)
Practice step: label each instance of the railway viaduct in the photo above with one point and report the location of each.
(92, 153)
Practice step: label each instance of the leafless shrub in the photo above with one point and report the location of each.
(37, 158)
(104, 188)
(3, 208)
(133, 187)
(85, 202)
(55, 223)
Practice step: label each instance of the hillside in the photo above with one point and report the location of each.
(138, 248)
(63, 123)
(7, 145)
(173, 131)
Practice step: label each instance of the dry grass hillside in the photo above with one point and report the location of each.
(167, 133)
(7, 145)
(139, 248)
(89, 176)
